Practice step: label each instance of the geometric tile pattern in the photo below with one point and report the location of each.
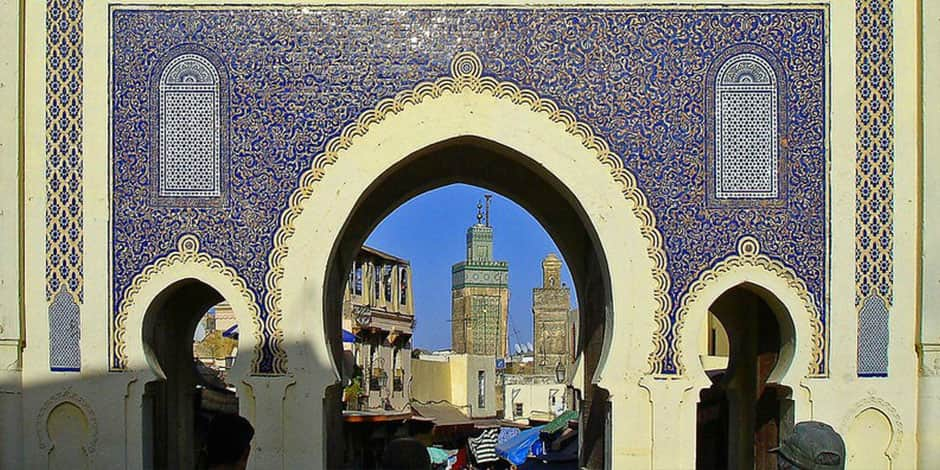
(484, 318)
(64, 232)
(874, 183)
(64, 334)
(746, 100)
(189, 128)
(634, 77)
(190, 131)
(873, 338)
(746, 129)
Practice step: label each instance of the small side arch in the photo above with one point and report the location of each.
(784, 292)
(889, 413)
(151, 340)
(187, 262)
(75, 408)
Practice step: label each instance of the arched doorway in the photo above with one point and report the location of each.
(745, 412)
(179, 404)
(553, 146)
(484, 163)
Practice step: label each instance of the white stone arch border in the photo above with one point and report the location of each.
(750, 266)
(469, 104)
(872, 402)
(66, 396)
(187, 262)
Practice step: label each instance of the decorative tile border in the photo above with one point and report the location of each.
(64, 231)
(874, 192)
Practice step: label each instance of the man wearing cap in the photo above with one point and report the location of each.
(812, 446)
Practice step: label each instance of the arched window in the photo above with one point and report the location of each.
(191, 161)
(746, 134)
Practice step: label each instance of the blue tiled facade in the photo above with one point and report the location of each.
(874, 182)
(64, 185)
(297, 76)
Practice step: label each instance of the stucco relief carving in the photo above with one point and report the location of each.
(883, 406)
(929, 355)
(749, 255)
(187, 252)
(66, 396)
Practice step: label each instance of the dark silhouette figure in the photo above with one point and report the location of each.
(406, 454)
(229, 442)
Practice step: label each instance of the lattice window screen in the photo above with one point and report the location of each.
(746, 135)
(190, 151)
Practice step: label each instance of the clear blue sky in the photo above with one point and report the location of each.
(430, 231)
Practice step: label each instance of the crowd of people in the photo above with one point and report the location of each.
(811, 446)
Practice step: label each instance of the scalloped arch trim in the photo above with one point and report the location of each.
(749, 255)
(467, 77)
(187, 252)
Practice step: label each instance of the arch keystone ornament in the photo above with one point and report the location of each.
(749, 255)
(467, 77)
(187, 252)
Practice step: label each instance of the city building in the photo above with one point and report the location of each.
(534, 398)
(378, 311)
(772, 163)
(535, 382)
(216, 340)
(480, 294)
(464, 381)
(714, 345)
(551, 306)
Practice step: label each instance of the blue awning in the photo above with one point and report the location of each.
(348, 337)
(231, 332)
(516, 450)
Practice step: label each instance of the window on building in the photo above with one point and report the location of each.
(746, 129)
(517, 410)
(373, 371)
(376, 283)
(351, 282)
(387, 282)
(481, 393)
(189, 146)
(398, 381)
(357, 289)
(403, 283)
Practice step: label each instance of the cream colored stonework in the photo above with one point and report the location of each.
(653, 418)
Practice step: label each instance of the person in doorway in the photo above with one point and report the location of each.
(229, 442)
(811, 446)
(406, 454)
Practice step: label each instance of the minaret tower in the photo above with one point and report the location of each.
(480, 293)
(550, 305)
